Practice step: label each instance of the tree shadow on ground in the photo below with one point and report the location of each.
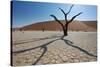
(44, 47)
(37, 39)
(35, 47)
(68, 42)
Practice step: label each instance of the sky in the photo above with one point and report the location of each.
(25, 13)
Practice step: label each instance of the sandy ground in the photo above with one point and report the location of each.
(35, 48)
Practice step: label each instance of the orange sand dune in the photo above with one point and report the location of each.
(54, 26)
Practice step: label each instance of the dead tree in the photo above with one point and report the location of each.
(43, 30)
(65, 26)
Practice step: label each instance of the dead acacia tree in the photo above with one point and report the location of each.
(65, 26)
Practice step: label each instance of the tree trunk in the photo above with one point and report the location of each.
(65, 30)
(65, 33)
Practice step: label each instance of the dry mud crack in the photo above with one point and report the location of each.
(77, 47)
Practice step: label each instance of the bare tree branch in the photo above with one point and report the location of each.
(69, 10)
(57, 20)
(65, 26)
(62, 11)
(65, 14)
(74, 17)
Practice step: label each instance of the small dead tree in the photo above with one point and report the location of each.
(65, 26)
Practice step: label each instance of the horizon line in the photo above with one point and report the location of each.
(46, 21)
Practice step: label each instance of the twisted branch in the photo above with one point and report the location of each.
(57, 20)
(74, 17)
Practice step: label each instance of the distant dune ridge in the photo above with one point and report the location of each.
(54, 26)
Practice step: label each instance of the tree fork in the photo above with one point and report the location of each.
(65, 27)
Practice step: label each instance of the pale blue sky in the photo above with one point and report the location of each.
(25, 13)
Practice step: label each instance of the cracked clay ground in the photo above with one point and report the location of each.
(36, 48)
